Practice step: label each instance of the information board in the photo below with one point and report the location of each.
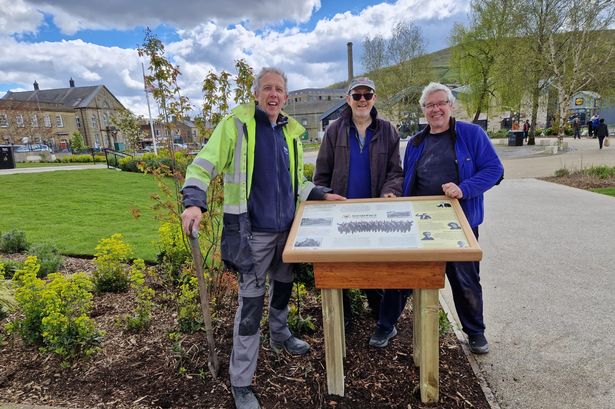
(398, 229)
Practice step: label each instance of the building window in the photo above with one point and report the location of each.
(329, 98)
(34, 121)
(320, 97)
(78, 121)
(157, 132)
(4, 121)
(105, 120)
(59, 122)
(47, 121)
(19, 120)
(94, 122)
(194, 133)
(304, 122)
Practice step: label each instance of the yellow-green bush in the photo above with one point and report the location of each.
(55, 312)
(308, 171)
(141, 317)
(111, 259)
(173, 252)
(189, 318)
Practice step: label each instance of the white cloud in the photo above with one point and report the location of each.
(311, 58)
(16, 17)
(74, 15)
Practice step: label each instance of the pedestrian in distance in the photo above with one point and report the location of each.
(456, 159)
(576, 127)
(359, 158)
(590, 127)
(526, 129)
(602, 132)
(258, 149)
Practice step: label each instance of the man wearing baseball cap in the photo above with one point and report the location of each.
(359, 158)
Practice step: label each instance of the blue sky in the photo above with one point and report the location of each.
(95, 42)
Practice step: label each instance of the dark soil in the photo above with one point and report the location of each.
(150, 370)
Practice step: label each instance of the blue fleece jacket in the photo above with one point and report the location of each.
(477, 162)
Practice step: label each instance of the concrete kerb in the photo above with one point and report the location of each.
(484, 385)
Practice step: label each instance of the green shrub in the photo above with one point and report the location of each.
(173, 253)
(48, 257)
(308, 171)
(80, 159)
(501, 133)
(549, 132)
(10, 266)
(141, 317)
(13, 241)
(444, 325)
(130, 164)
(112, 271)
(562, 172)
(568, 131)
(601, 172)
(538, 132)
(297, 323)
(304, 274)
(190, 318)
(55, 312)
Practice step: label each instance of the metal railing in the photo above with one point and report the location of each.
(113, 158)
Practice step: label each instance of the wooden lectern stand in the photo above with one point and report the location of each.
(382, 243)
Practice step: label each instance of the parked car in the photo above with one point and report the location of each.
(35, 147)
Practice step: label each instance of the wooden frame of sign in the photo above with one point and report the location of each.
(382, 243)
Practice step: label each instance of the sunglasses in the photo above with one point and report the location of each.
(368, 96)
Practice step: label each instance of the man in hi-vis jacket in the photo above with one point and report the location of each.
(258, 149)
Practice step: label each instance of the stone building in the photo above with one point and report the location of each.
(307, 106)
(51, 116)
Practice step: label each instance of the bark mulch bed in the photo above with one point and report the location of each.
(155, 370)
(580, 181)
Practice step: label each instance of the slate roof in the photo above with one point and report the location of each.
(73, 97)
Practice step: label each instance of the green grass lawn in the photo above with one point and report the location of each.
(610, 191)
(48, 164)
(75, 209)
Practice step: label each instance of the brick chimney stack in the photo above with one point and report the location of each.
(350, 74)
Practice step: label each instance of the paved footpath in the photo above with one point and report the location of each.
(548, 276)
(51, 169)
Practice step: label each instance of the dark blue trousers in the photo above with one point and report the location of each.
(385, 306)
(464, 278)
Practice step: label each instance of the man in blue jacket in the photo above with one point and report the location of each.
(456, 159)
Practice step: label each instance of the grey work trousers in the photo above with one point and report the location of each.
(267, 253)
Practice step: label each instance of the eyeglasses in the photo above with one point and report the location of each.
(440, 104)
(368, 96)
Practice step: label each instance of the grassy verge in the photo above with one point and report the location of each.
(610, 191)
(75, 209)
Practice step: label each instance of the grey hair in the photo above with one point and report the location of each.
(433, 87)
(270, 70)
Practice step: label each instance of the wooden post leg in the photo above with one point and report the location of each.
(429, 340)
(333, 323)
(416, 325)
(340, 310)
